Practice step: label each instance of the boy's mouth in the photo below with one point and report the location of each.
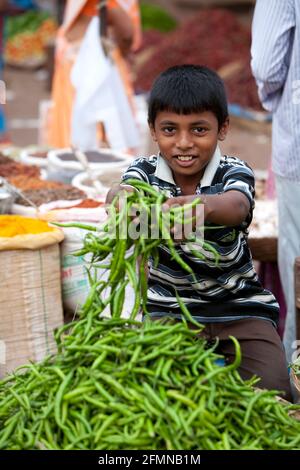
(185, 160)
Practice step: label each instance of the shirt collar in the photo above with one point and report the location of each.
(211, 168)
(164, 173)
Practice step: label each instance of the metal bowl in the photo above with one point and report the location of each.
(6, 202)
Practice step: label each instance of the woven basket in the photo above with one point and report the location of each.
(292, 413)
(296, 380)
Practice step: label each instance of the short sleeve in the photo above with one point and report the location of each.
(239, 176)
(137, 170)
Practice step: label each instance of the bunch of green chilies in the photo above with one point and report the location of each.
(119, 383)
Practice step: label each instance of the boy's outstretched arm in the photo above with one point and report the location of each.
(230, 208)
(117, 189)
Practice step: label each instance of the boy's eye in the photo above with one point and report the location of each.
(168, 129)
(199, 130)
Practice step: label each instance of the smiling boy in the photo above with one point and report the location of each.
(188, 116)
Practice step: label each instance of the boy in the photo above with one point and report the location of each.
(187, 116)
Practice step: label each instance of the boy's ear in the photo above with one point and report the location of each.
(224, 129)
(153, 133)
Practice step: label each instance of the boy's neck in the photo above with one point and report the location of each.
(188, 184)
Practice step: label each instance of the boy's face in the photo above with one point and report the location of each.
(187, 142)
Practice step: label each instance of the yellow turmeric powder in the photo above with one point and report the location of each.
(13, 225)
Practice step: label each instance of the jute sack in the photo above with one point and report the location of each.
(30, 298)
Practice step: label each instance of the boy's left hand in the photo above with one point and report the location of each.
(193, 217)
(178, 201)
(229, 208)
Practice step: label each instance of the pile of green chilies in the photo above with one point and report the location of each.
(118, 383)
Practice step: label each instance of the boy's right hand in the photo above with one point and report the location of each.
(118, 189)
(117, 193)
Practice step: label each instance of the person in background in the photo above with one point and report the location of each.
(124, 27)
(275, 65)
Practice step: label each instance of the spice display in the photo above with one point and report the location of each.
(24, 183)
(150, 39)
(13, 225)
(87, 204)
(39, 154)
(27, 36)
(122, 384)
(10, 168)
(218, 39)
(93, 156)
(4, 159)
(43, 196)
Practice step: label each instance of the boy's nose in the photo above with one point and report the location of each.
(184, 141)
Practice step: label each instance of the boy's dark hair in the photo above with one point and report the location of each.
(186, 89)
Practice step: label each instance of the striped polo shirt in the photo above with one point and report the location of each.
(226, 291)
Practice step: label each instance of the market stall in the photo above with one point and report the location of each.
(88, 374)
(111, 387)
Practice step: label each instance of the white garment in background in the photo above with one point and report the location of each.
(100, 97)
(275, 65)
(288, 250)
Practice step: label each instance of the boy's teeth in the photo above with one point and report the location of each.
(185, 159)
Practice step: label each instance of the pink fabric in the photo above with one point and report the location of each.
(269, 276)
(270, 185)
(268, 271)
